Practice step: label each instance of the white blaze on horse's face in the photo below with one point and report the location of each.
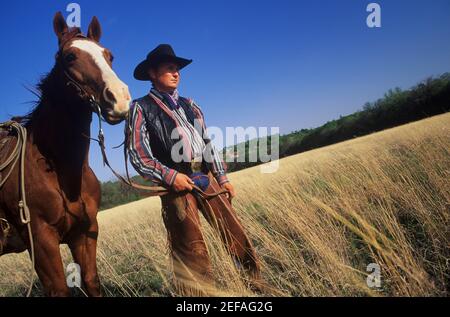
(116, 91)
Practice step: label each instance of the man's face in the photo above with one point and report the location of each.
(166, 77)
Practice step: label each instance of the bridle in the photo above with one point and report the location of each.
(95, 106)
(81, 92)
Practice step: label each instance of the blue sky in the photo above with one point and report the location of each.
(286, 63)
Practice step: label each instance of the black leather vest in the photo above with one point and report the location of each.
(160, 126)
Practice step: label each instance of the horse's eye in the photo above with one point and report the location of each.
(111, 58)
(70, 57)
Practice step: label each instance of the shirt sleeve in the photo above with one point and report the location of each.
(217, 166)
(141, 156)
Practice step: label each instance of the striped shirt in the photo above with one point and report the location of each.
(195, 140)
(141, 155)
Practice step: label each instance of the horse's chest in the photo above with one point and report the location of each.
(84, 210)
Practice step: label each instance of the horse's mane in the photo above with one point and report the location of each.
(45, 87)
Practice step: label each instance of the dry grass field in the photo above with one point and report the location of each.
(316, 223)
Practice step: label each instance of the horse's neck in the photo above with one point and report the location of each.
(61, 133)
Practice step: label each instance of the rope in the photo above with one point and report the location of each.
(24, 211)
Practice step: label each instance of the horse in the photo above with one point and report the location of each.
(62, 191)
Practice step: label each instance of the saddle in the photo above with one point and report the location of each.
(7, 141)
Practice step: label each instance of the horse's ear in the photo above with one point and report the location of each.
(59, 25)
(95, 30)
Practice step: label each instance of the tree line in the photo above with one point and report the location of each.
(397, 107)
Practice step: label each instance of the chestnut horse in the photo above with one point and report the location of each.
(62, 191)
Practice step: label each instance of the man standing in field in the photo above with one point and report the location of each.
(154, 153)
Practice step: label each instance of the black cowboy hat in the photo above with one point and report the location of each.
(162, 53)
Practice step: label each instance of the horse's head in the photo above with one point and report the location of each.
(88, 67)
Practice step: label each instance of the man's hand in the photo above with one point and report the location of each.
(230, 188)
(182, 182)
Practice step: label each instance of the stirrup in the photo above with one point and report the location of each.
(4, 225)
(4, 228)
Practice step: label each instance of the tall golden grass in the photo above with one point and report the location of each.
(316, 223)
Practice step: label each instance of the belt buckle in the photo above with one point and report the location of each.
(196, 164)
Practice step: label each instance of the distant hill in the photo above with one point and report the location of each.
(397, 107)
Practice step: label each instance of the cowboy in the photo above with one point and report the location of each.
(152, 122)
